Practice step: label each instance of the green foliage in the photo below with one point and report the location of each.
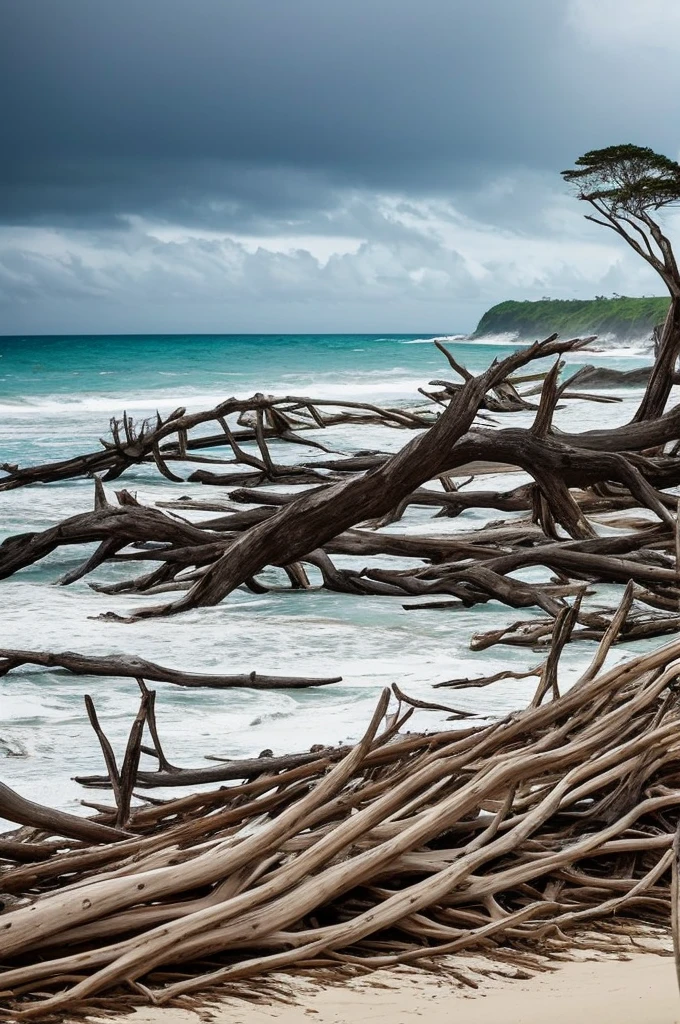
(626, 179)
(623, 317)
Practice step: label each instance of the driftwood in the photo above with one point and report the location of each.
(605, 377)
(619, 477)
(26, 812)
(135, 667)
(263, 419)
(504, 840)
(133, 443)
(315, 518)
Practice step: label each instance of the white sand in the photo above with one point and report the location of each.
(642, 990)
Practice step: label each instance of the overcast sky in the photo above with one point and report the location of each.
(315, 165)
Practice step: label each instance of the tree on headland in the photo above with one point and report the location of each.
(626, 185)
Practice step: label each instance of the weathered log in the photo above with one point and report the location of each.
(120, 525)
(607, 377)
(26, 812)
(134, 667)
(17, 851)
(226, 771)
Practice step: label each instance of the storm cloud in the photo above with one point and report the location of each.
(311, 162)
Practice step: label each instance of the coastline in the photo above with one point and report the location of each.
(622, 319)
(641, 989)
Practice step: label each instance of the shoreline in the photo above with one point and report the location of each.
(640, 989)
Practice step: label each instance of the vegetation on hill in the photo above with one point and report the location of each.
(623, 317)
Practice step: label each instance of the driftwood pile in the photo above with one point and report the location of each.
(599, 509)
(502, 840)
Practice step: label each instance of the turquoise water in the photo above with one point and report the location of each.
(103, 365)
(147, 366)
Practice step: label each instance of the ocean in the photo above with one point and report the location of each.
(57, 395)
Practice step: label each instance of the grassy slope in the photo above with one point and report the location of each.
(624, 317)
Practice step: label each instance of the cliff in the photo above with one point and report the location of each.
(625, 318)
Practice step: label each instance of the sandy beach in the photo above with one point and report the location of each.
(640, 990)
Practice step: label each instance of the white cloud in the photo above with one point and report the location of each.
(321, 247)
(376, 262)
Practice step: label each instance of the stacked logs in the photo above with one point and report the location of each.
(503, 840)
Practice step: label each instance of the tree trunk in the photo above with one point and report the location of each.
(663, 374)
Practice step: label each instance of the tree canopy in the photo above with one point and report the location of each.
(627, 179)
(624, 185)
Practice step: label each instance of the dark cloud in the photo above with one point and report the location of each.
(260, 106)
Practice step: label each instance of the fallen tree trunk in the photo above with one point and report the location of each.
(135, 667)
(606, 377)
(26, 812)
